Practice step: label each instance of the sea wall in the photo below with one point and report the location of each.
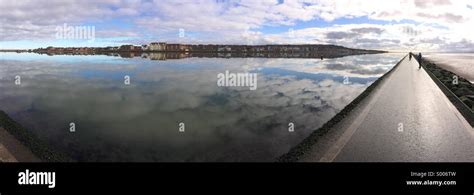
(299, 150)
(460, 92)
(30, 140)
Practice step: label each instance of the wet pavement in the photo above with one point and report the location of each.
(409, 120)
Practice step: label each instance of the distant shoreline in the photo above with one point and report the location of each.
(211, 51)
(313, 50)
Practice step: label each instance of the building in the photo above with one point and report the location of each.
(204, 48)
(258, 48)
(173, 47)
(111, 49)
(224, 48)
(130, 48)
(161, 46)
(185, 48)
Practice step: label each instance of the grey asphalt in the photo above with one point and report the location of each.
(408, 120)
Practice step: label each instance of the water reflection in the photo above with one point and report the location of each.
(139, 122)
(180, 55)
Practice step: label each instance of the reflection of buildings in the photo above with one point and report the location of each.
(177, 48)
(180, 55)
(127, 54)
(81, 50)
(130, 52)
(165, 55)
(283, 51)
(224, 48)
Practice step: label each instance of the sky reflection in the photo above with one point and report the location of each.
(139, 122)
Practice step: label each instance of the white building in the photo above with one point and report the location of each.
(157, 46)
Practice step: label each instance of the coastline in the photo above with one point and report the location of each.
(12, 150)
(298, 151)
(162, 55)
(457, 63)
(23, 137)
(461, 95)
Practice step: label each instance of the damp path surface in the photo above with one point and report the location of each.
(407, 119)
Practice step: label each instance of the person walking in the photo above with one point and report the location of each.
(419, 60)
(409, 54)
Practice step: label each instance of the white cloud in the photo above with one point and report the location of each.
(447, 22)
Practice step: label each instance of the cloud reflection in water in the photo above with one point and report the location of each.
(139, 122)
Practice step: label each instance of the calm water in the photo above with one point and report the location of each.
(460, 63)
(139, 122)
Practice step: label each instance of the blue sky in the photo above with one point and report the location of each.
(395, 25)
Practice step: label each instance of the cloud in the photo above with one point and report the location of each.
(246, 21)
(368, 30)
(228, 117)
(449, 17)
(426, 4)
(340, 35)
(369, 71)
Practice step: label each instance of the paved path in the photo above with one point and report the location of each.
(11, 150)
(407, 119)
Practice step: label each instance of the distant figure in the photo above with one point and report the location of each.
(419, 60)
(409, 54)
(321, 57)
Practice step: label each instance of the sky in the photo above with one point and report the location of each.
(392, 25)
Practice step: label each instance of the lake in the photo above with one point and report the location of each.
(173, 110)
